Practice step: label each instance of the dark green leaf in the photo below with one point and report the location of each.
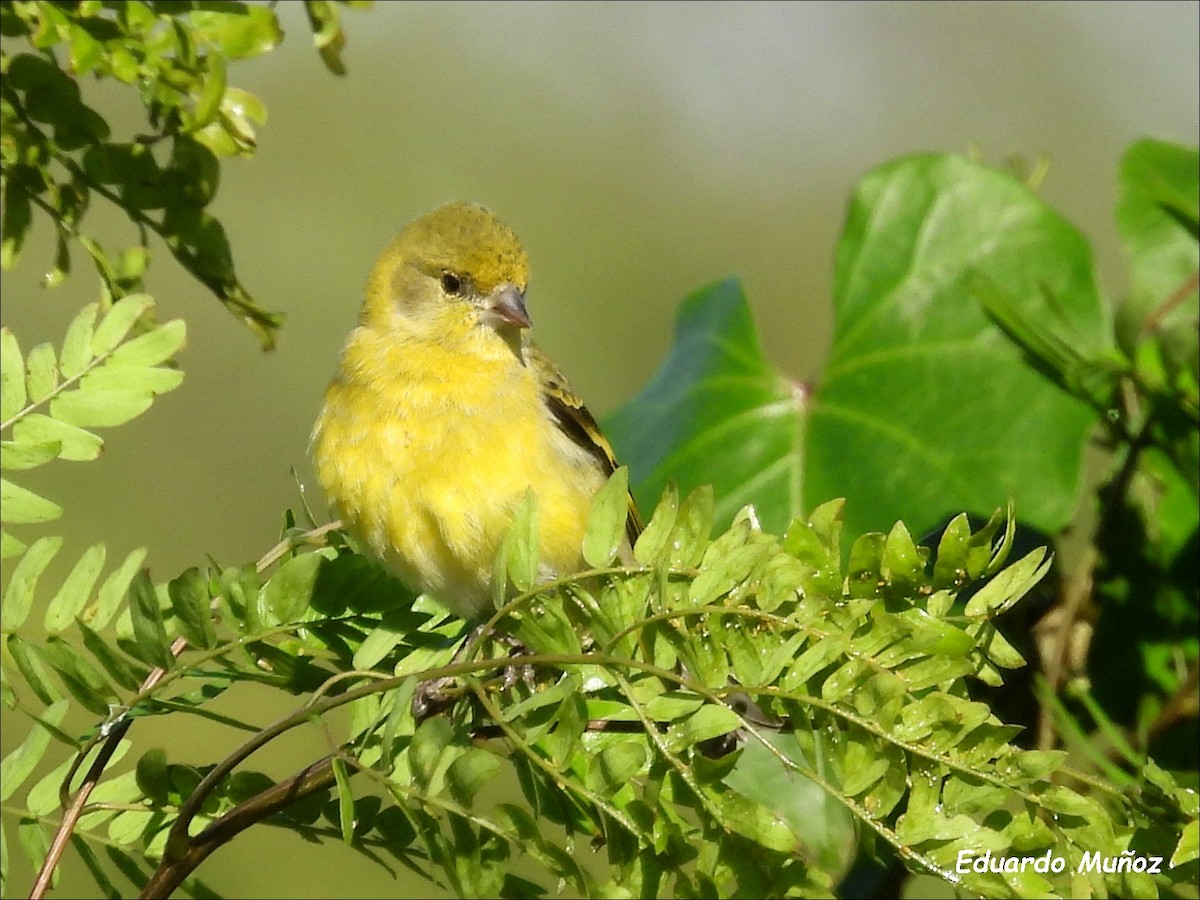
(32, 670)
(148, 628)
(81, 679)
(191, 603)
(153, 778)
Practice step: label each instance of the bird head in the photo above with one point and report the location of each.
(452, 270)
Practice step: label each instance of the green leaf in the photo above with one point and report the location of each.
(520, 551)
(41, 368)
(709, 721)
(153, 347)
(77, 445)
(616, 765)
(345, 799)
(148, 628)
(378, 643)
(248, 31)
(17, 455)
(18, 597)
(10, 546)
(99, 409)
(287, 595)
(208, 104)
(16, 222)
(428, 750)
(35, 841)
(31, 669)
(191, 602)
(902, 563)
(689, 537)
(1159, 185)
(756, 822)
(20, 763)
(70, 599)
(81, 679)
(825, 828)
(950, 564)
(153, 776)
(1188, 848)
(656, 535)
(113, 590)
(125, 673)
(24, 507)
(118, 321)
(721, 415)
(1010, 584)
(606, 520)
(12, 375)
(151, 381)
(471, 772)
(925, 406)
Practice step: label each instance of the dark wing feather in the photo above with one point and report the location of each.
(579, 424)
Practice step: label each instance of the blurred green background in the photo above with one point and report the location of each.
(640, 151)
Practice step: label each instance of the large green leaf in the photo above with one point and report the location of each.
(1157, 216)
(925, 407)
(716, 413)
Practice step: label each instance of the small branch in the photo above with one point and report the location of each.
(73, 810)
(1160, 312)
(1055, 660)
(276, 553)
(308, 781)
(1183, 704)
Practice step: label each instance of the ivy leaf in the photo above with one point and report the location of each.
(1156, 215)
(721, 415)
(924, 403)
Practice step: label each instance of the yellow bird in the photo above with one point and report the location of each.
(443, 413)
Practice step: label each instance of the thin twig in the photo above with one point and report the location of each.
(1160, 312)
(66, 828)
(73, 808)
(1183, 704)
(308, 781)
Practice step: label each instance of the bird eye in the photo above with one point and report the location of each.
(451, 283)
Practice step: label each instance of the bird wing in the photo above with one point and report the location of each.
(580, 425)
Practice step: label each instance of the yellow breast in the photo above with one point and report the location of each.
(425, 451)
